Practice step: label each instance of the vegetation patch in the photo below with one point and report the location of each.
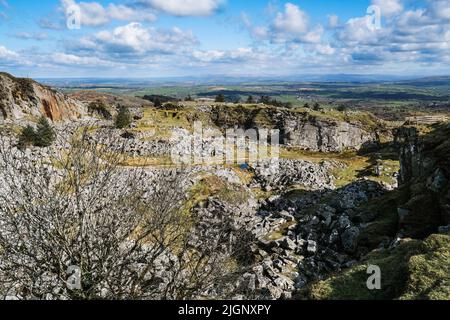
(43, 136)
(429, 273)
(352, 283)
(123, 119)
(213, 186)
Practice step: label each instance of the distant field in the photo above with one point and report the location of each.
(394, 100)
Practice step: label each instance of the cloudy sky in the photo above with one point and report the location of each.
(162, 38)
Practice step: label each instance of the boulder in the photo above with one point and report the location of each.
(349, 238)
(288, 244)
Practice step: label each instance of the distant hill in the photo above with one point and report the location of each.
(428, 81)
(126, 83)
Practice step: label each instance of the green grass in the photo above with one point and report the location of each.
(429, 273)
(351, 284)
(413, 270)
(213, 186)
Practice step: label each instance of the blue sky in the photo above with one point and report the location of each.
(162, 38)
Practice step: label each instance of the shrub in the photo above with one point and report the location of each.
(45, 135)
(220, 98)
(99, 108)
(274, 102)
(157, 102)
(342, 108)
(123, 119)
(27, 137)
(316, 107)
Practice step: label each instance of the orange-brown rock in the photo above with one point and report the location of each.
(26, 99)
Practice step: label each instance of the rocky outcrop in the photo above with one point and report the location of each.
(300, 239)
(298, 129)
(279, 174)
(425, 163)
(22, 98)
(325, 136)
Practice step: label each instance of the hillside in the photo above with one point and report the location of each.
(341, 190)
(25, 99)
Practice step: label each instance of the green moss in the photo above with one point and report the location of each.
(162, 122)
(245, 116)
(429, 273)
(213, 186)
(352, 283)
(281, 232)
(413, 270)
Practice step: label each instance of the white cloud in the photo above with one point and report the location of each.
(356, 31)
(185, 7)
(228, 56)
(9, 58)
(74, 60)
(389, 8)
(7, 54)
(93, 14)
(122, 12)
(420, 36)
(32, 36)
(313, 36)
(134, 40)
(440, 9)
(324, 49)
(50, 24)
(411, 35)
(257, 32)
(260, 32)
(293, 25)
(333, 21)
(292, 20)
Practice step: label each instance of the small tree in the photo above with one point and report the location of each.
(265, 100)
(123, 119)
(316, 106)
(189, 98)
(250, 99)
(157, 102)
(220, 98)
(99, 108)
(45, 135)
(27, 137)
(342, 108)
(306, 105)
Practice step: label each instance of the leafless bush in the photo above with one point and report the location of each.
(78, 225)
